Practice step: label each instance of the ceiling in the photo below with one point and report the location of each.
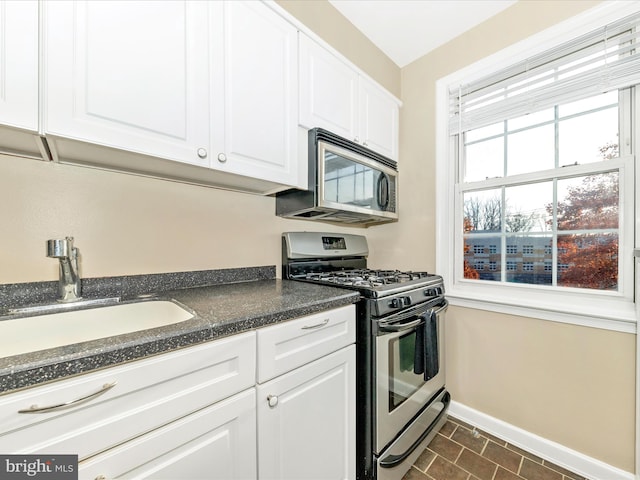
(405, 30)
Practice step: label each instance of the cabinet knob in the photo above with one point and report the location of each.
(272, 400)
(365, 144)
(100, 477)
(357, 140)
(202, 153)
(222, 157)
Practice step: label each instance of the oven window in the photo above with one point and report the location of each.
(403, 382)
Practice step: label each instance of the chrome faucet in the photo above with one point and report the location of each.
(69, 282)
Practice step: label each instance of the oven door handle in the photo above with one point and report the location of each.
(444, 306)
(400, 327)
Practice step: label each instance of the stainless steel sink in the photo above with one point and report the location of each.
(56, 329)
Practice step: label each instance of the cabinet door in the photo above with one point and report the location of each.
(131, 75)
(328, 91)
(19, 64)
(254, 99)
(217, 443)
(378, 119)
(306, 421)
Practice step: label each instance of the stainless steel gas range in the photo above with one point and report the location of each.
(401, 397)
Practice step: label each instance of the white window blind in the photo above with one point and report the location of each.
(603, 60)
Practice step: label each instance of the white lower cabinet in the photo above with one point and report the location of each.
(216, 443)
(306, 421)
(306, 398)
(206, 411)
(188, 414)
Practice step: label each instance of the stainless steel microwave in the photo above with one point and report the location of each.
(348, 183)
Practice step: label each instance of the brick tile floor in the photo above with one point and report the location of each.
(462, 452)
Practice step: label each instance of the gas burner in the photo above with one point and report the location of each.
(366, 278)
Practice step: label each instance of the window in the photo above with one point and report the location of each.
(548, 204)
(539, 164)
(478, 249)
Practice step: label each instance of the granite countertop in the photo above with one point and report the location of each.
(220, 310)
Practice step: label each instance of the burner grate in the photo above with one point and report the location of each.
(366, 277)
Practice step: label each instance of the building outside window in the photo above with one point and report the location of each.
(543, 167)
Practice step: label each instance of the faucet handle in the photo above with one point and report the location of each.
(60, 248)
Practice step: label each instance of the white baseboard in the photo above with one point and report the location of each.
(554, 452)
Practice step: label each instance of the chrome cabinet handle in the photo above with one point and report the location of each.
(202, 153)
(272, 400)
(222, 157)
(317, 325)
(71, 403)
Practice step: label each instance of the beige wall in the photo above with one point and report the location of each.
(125, 224)
(573, 385)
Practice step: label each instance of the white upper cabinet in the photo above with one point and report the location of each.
(19, 64)
(379, 119)
(130, 75)
(254, 100)
(334, 96)
(328, 91)
(205, 84)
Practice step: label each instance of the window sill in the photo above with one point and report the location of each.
(623, 319)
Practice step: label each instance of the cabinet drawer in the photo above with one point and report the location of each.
(146, 394)
(216, 443)
(286, 346)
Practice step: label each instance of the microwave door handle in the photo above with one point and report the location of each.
(383, 191)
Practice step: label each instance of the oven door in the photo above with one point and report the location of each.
(410, 369)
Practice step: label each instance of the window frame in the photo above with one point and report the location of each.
(575, 306)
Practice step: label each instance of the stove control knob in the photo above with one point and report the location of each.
(400, 302)
(395, 303)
